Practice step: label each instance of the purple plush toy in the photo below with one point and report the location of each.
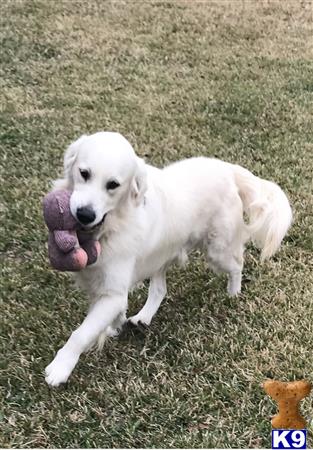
(69, 248)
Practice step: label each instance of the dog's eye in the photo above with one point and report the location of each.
(85, 174)
(112, 185)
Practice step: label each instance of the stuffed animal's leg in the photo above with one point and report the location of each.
(93, 249)
(72, 261)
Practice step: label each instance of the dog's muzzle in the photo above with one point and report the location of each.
(85, 215)
(96, 226)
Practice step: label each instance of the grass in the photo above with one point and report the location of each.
(231, 79)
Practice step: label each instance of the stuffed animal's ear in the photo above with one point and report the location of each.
(139, 183)
(69, 159)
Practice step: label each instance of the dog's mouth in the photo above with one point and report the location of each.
(96, 226)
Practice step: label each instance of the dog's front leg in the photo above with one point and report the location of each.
(102, 314)
(157, 292)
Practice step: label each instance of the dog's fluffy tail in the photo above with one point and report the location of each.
(267, 208)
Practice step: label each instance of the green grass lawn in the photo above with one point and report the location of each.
(231, 79)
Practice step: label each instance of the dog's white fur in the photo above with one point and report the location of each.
(156, 217)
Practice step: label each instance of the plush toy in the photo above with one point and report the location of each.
(288, 396)
(70, 249)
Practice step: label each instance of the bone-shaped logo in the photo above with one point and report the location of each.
(288, 396)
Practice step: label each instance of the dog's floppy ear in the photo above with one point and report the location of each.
(69, 159)
(139, 183)
(70, 155)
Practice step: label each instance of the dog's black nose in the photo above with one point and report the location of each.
(85, 215)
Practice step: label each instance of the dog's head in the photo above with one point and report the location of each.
(103, 172)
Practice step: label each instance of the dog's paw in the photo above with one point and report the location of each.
(140, 320)
(58, 371)
(233, 291)
(112, 332)
(233, 288)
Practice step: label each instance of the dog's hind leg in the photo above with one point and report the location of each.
(227, 257)
(112, 331)
(115, 328)
(157, 292)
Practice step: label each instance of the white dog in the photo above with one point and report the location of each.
(147, 218)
